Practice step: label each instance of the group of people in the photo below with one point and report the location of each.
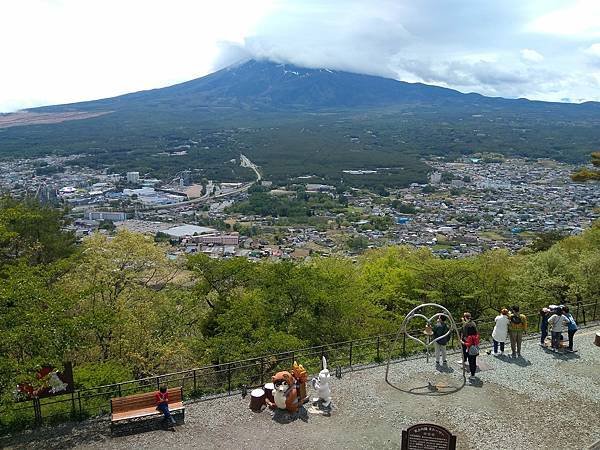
(469, 337)
(510, 325)
(557, 319)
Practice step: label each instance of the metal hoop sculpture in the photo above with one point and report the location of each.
(404, 330)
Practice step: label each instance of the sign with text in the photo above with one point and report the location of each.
(427, 436)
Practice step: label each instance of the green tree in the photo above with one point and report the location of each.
(118, 284)
(33, 232)
(35, 326)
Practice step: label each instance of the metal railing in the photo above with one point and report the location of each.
(229, 377)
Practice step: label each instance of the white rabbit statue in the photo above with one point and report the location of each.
(321, 384)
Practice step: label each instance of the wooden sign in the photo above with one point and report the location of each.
(427, 436)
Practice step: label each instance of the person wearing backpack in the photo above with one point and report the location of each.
(571, 327)
(471, 342)
(516, 328)
(440, 329)
(467, 322)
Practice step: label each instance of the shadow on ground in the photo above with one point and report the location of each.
(144, 426)
(444, 369)
(282, 416)
(434, 388)
(518, 361)
(74, 434)
(63, 436)
(563, 355)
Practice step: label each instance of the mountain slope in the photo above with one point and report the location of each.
(264, 85)
(294, 122)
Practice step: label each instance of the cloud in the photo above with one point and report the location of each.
(594, 50)
(592, 54)
(335, 35)
(573, 18)
(529, 55)
(440, 42)
(69, 50)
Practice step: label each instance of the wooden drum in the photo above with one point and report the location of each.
(257, 399)
(269, 391)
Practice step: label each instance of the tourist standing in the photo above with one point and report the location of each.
(500, 332)
(558, 323)
(467, 322)
(571, 327)
(440, 329)
(544, 315)
(516, 328)
(471, 342)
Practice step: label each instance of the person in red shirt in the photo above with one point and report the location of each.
(162, 403)
(471, 342)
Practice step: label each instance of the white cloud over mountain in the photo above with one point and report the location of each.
(70, 50)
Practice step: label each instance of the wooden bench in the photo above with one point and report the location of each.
(144, 405)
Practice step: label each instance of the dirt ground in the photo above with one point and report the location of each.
(541, 401)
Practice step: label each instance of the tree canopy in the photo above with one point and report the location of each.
(118, 307)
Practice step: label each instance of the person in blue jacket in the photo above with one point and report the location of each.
(571, 327)
(544, 315)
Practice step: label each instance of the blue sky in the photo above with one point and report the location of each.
(57, 51)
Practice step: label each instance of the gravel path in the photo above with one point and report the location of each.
(527, 403)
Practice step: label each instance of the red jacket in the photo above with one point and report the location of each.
(161, 398)
(472, 340)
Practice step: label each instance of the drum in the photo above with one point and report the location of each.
(257, 399)
(269, 391)
(597, 339)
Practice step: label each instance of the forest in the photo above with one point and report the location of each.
(391, 141)
(119, 308)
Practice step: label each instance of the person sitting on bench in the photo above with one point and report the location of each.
(162, 403)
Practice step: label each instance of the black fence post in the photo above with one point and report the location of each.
(195, 382)
(350, 355)
(157, 383)
(595, 306)
(229, 378)
(37, 410)
(262, 371)
(404, 345)
(378, 344)
(583, 312)
(79, 401)
(73, 404)
(577, 313)
(119, 389)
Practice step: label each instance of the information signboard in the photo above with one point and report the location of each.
(427, 436)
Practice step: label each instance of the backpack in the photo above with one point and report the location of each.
(473, 350)
(515, 319)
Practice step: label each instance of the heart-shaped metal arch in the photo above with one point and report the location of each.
(411, 315)
(429, 343)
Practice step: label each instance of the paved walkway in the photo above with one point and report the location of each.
(540, 401)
